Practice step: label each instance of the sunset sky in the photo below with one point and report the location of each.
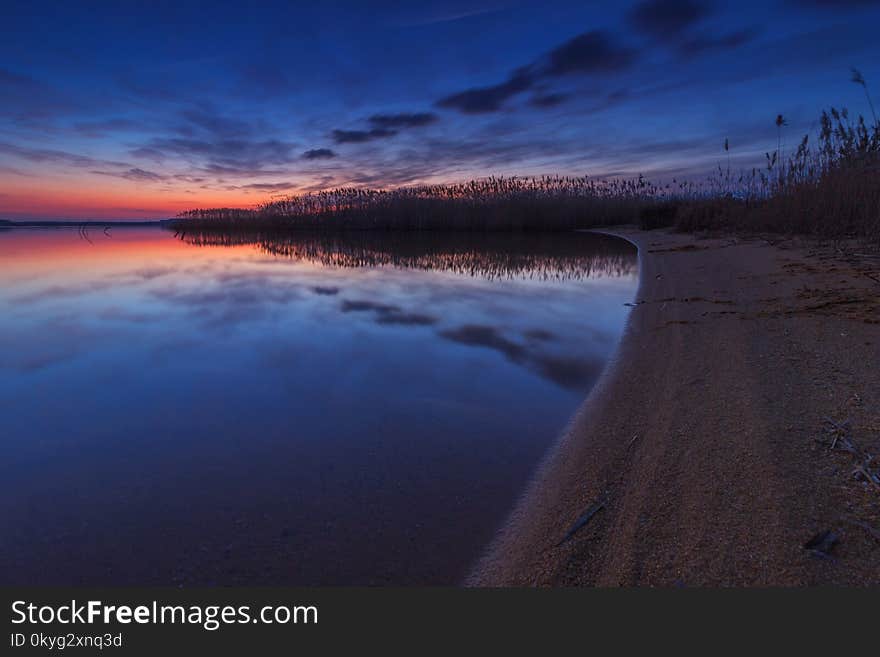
(141, 110)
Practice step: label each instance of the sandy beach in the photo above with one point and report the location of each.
(734, 424)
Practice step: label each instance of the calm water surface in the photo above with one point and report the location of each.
(359, 410)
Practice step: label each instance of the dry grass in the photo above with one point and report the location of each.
(830, 190)
(492, 204)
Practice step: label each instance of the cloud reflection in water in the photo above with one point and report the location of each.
(298, 411)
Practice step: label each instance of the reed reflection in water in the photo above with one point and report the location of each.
(313, 409)
(574, 255)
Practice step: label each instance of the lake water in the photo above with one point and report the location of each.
(191, 410)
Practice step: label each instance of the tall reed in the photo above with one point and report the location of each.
(830, 189)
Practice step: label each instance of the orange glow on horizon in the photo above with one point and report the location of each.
(95, 205)
(28, 255)
(84, 197)
(25, 197)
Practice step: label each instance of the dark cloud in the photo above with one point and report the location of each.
(361, 136)
(320, 183)
(667, 19)
(674, 22)
(218, 144)
(491, 149)
(475, 335)
(542, 335)
(188, 178)
(400, 121)
(479, 100)
(405, 319)
(13, 171)
(134, 174)
(384, 126)
(703, 44)
(145, 153)
(325, 291)
(548, 100)
(269, 187)
(386, 314)
(319, 154)
(243, 171)
(443, 153)
(222, 156)
(590, 53)
(43, 155)
(569, 373)
(367, 306)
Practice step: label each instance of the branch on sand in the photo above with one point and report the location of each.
(841, 439)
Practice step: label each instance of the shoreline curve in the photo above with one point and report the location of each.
(694, 457)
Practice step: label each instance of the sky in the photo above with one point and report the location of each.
(140, 110)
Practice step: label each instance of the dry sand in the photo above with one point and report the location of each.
(707, 434)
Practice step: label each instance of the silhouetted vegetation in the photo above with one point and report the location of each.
(547, 203)
(487, 255)
(830, 189)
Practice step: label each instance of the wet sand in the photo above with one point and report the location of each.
(705, 452)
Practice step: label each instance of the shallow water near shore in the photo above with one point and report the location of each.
(336, 409)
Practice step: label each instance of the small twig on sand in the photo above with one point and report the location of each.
(581, 522)
(861, 471)
(840, 426)
(840, 433)
(841, 439)
(632, 440)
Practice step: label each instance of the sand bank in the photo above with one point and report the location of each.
(706, 437)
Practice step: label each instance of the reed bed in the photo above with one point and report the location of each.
(830, 190)
(549, 203)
